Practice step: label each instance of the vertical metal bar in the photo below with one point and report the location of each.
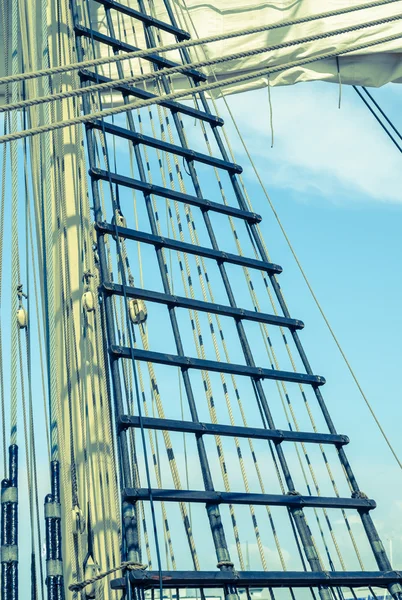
(213, 512)
(298, 514)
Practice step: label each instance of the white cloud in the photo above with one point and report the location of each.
(319, 148)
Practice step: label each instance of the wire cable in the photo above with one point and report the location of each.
(378, 118)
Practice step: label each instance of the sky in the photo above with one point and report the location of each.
(335, 180)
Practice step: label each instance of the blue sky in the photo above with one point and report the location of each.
(336, 182)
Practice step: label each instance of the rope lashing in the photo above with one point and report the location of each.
(360, 495)
(189, 43)
(129, 565)
(225, 563)
(194, 65)
(228, 563)
(183, 93)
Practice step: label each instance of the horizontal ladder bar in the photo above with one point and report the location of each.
(264, 579)
(131, 90)
(162, 242)
(187, 153)
(116, 44)
(207, 496)
(209, 307)
(146, 19)
(186, 362)
(276, 435)
(150, 188)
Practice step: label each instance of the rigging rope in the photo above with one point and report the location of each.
(197, 64)
(2, 391)
(365, 90)
(189, 43)
(183, 94)
(131, 337)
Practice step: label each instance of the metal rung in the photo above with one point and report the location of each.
(131, 90)
(276, 435)
(150, 188)
(264, 579)
(162, 242)
(148, 20)
(212, 497)
(182, 302)
(139, 138)
(186, 362)
(116, 44)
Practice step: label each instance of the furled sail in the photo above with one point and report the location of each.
(376, 64)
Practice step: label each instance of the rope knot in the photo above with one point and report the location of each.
(133, 566)
(225, 563)
(129, 565)
(293, 493)
(359, 494)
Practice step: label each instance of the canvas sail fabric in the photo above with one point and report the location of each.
(373, 66)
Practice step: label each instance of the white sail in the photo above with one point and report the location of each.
(375, 65)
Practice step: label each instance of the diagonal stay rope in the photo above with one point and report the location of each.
(198, 64)
(185, 93)
(189, 43)
(365, 90)
(377, 117)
